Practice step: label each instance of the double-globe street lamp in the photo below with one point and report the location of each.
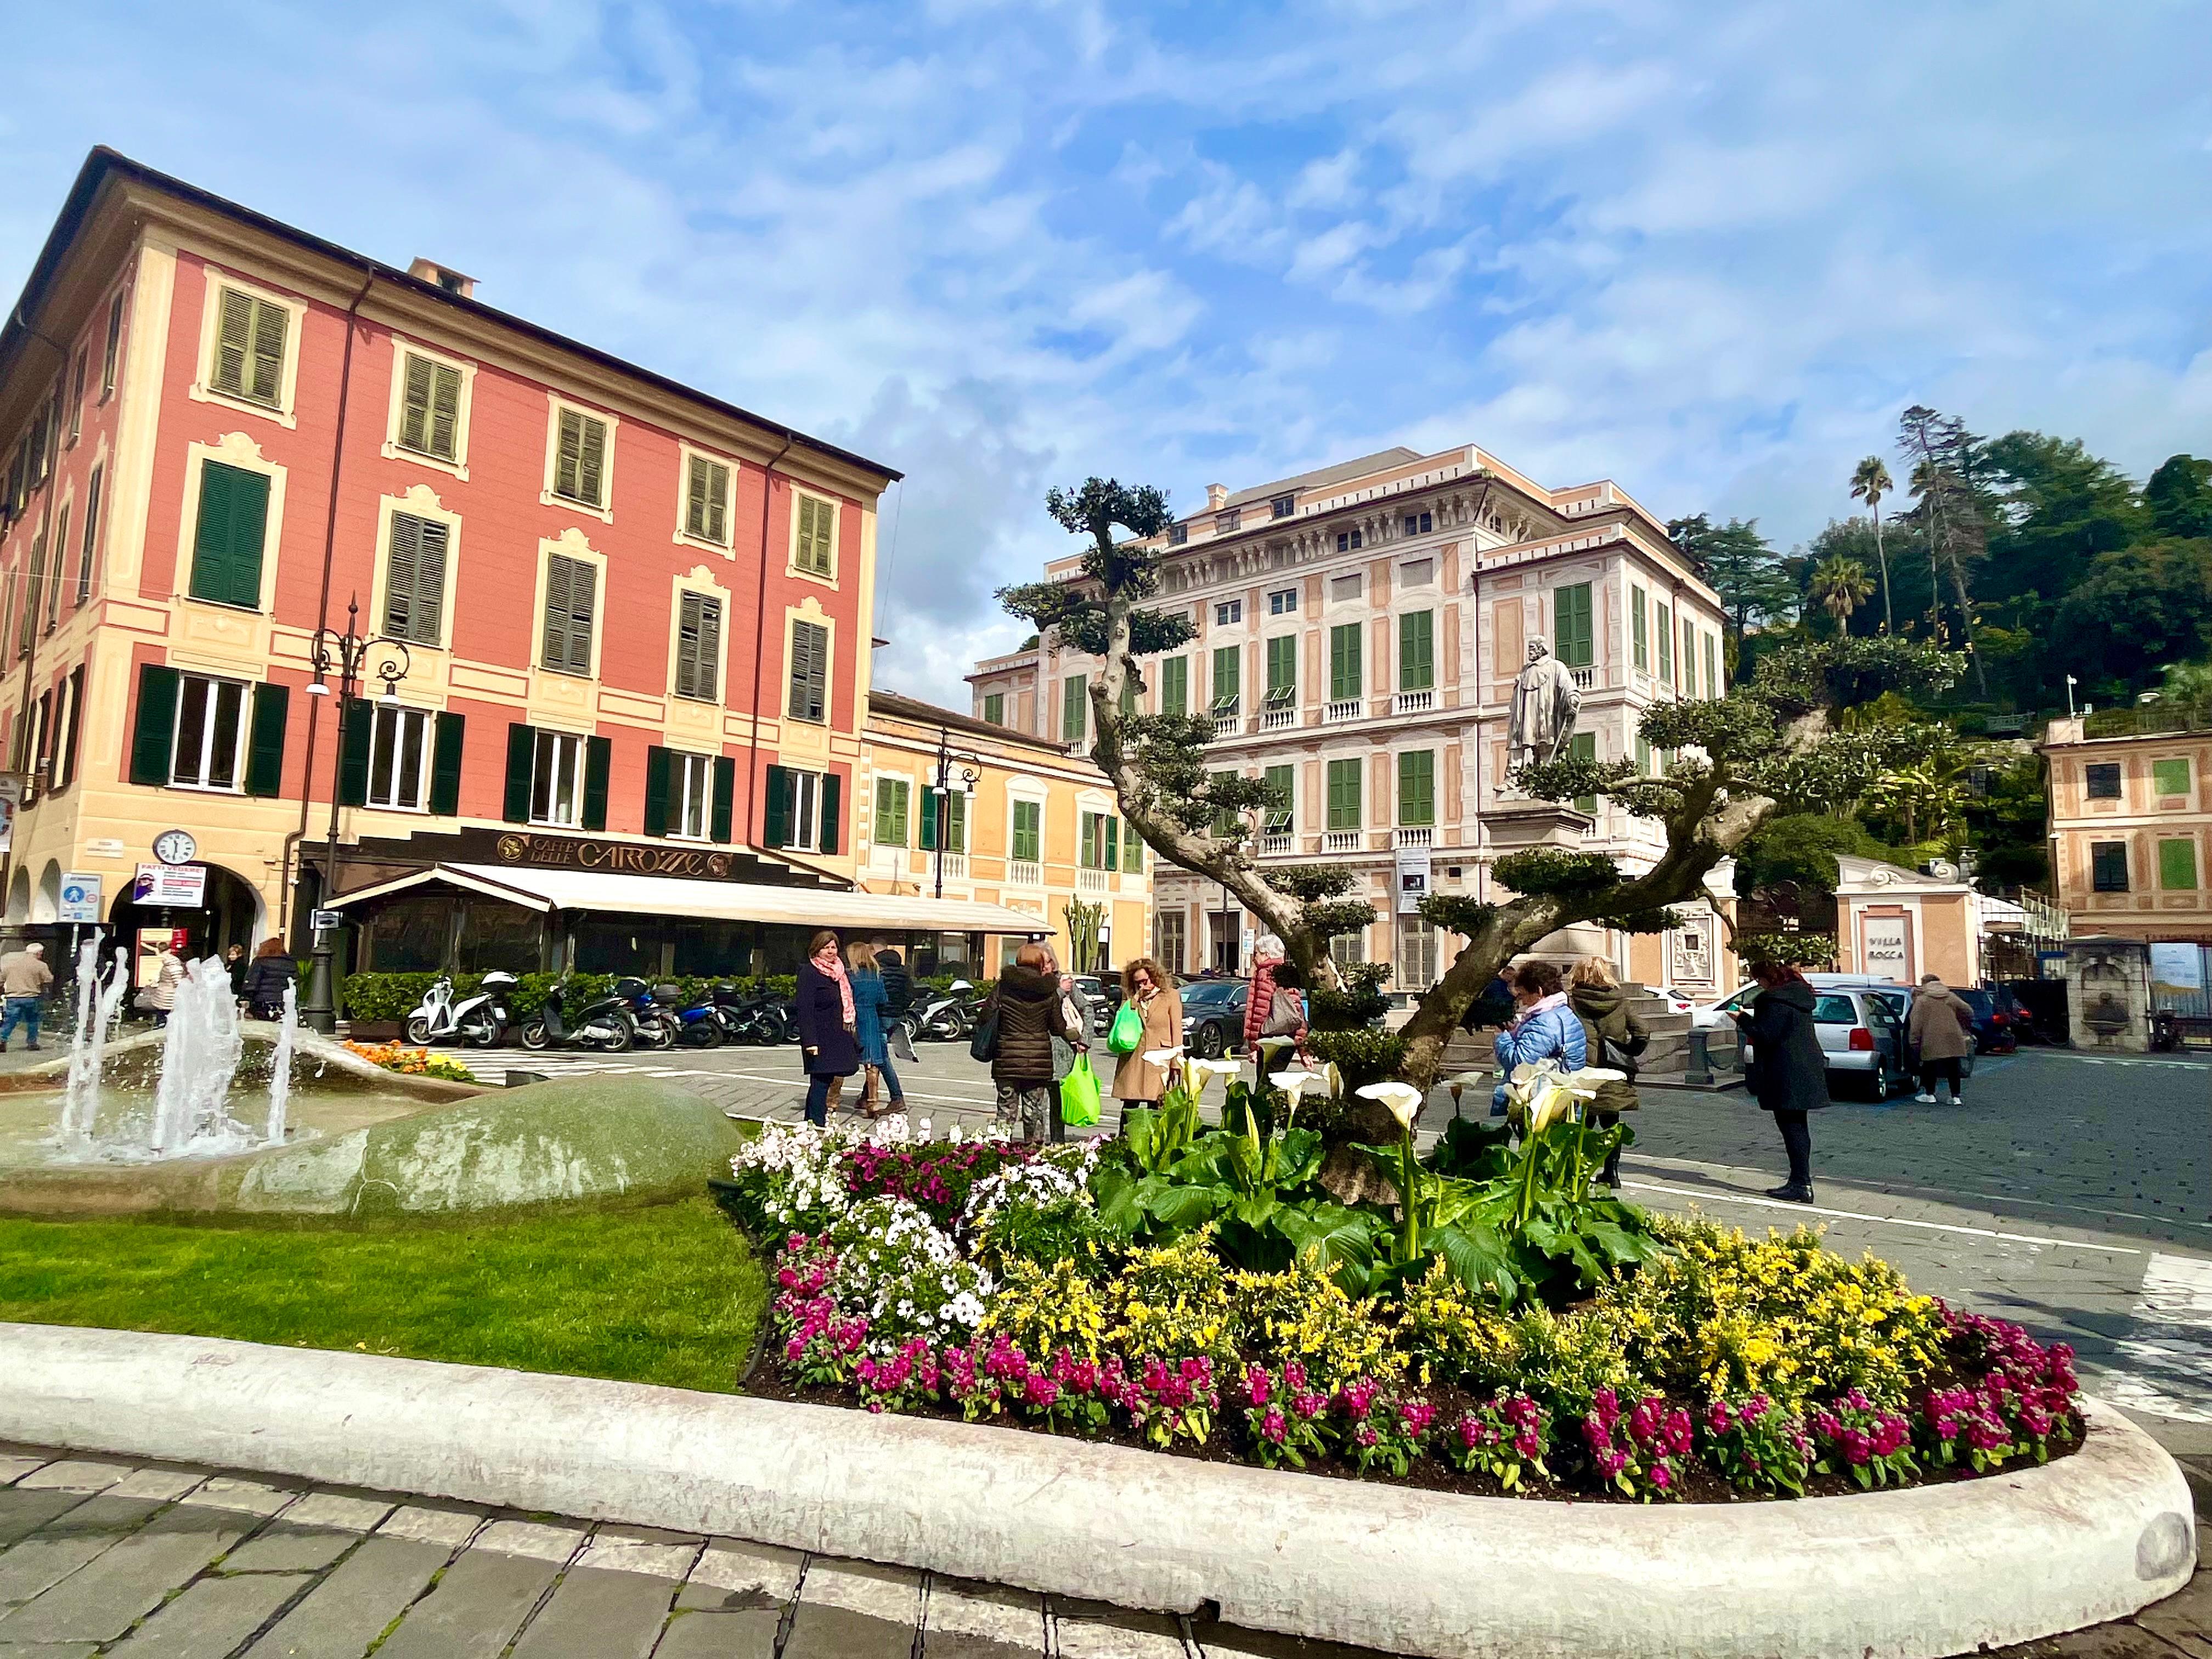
(343, 656)
(940, 797)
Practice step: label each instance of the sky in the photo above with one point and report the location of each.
(1708, 250)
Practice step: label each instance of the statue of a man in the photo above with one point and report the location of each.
(1544, 704)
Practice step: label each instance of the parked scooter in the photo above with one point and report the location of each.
(697, 1024)
(764, 1021)
(481, 1018)
(606, 1023)
(947, 1016)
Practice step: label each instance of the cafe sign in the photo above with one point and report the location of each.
(616, 858)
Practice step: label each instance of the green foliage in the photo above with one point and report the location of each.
(1549, 870)
(1313, 882)
(2178, 497)
(1798, 850)
(1362, 1056)
(1795, 949)
(1359, 1000)
(1077, 610)
(1838, 671)
(1458, 913)
(1741, 568)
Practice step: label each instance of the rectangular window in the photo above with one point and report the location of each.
(2169, 777)
(1133, 850)
(1346, 540)
(1028, 830)
(1228, 679)
(228, 540)
(90, 550)
(699, 646)
(1174, 686)
(1689, 658)
(399, 757)
(580, 462)
(1417, 788)
(2104, 779)
(809, 698)
(2108, 867)
(691, 796)
(1282, 671)
(1283, 602)
(1572, 637)
(707, 501)
(1228, 613)
(994, 708)
(1644, 757)
(1283, 506)
(1417, 955)
(430, 408)
(572, 597)
(1089, 839)
(1178, 534)
(892, 799)
(33, 591)
(1344, 661)
(1417, 572)
(60, 557)
(2177, 865)
(956, 819)
(76, 393)
(1712, 658)
(1344, 794)
(209, 750)
(1225, 522)
(556, 780)
(1343, 588)
(415, 580)
(1639, 631)
(249, 348)
(1348, 950)
(803, 810)
(1074, 707)
(66, 768)
(35, 456)
(1170, 932)
(816, 553)
(1419, 523)
(1583, 746)
(1278, 779)
(112, 350)
(1665, 644)
(1417, 651)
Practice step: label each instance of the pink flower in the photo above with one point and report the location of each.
(1662, 1476)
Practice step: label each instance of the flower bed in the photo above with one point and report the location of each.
(413, 1062)
(992, 1282)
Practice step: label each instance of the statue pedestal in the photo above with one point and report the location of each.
(1515, 826)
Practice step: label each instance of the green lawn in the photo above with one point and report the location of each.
(667, 1293)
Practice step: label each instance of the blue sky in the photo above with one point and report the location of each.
(1707, 250)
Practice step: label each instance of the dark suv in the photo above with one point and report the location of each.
(1998, 1018)
(1213, 1016)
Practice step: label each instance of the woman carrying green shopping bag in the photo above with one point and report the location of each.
(1150, 996)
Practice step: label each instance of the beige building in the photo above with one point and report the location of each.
(2131, 825)
(1023, 825)
(1359, 630)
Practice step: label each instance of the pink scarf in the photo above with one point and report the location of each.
(1557, 999)
(834, 965)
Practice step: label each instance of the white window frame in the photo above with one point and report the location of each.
(203, 389)
(1283, 602)
(241, 736)
(396, 411)
(791, 565)
(691, 795)
(547, 496)
(565, 750)
(805, 811)
(388, 724)
(682, 537)
(1228, 613)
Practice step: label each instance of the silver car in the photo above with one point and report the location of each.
(1861, 1026)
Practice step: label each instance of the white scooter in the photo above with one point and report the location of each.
(480, 1018)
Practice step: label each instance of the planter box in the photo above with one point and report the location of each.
(1896, 1574)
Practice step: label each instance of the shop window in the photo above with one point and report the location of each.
(408, 936)
(2103, 781)
(497, 935)
(2108, 867)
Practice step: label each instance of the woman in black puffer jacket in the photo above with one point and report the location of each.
(1031, 1010)
(1787, 1073)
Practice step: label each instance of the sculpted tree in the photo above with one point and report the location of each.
(1767, 746)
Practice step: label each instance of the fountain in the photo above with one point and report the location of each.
(197, 1063)
(280, 1065)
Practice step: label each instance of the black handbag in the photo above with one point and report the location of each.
(984, 1045)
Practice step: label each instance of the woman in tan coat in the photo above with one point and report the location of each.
(1942, 1031)
(1137, 1081)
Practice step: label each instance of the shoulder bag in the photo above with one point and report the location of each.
(984, 1045)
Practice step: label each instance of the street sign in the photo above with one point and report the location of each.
(176, 847)
(184, 885)
(324, 921)
(80, 897)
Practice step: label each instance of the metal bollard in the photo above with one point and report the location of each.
(1699, 1075)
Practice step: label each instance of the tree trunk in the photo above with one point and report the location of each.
(1889, 622)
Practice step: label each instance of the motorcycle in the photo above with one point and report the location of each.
(480, 1018)
(947, 1016)
(697, 1025)
(764, 1021)
(607, 1023)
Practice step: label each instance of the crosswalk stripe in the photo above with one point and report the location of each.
(2167, 1354)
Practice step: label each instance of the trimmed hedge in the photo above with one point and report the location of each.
(376, 997)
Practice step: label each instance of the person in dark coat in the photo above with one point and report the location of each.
(1600, 1003)
(826, 1022)
(263, 983)
(1031, 1010)
(235, 963)
(1787, 1073)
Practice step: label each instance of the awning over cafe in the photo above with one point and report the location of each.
(714, 900)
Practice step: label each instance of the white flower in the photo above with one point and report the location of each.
(1466, 1080)
(1402, 1099)
(1296, 1084)
(1162, 1056)
(1200, 1070)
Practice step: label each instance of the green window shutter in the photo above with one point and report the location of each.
(707, 677)
(1643, 757)
(521, 756)
(153, 738)
(1074, 702)
(226, 542)
(1417, 651)
(356, 733)
(1689, 657)
(932, 806)
(1666, 621)
(706, 500)
(1640, 630)
(571, 603)
(592, 464)
(810, 672)
(1344, 661)
(271, 323)
(265, 759)
(1344, 804)
(656, 791)
(233, 342)
(2169, 777)
(446, 741)
(1133, 850)
(1228, 678)
(1417, 788)
(569, 456)
(1087, 840)
(446, 412)
(414, 410)
(1571, 625)
(1174, 686)
(956, 823)
(1282, 671)
(415, 580)
(1712, 680)
(891, 811)
(725, 793)
(1113, 827)
(1584, 746)
(695, 496)
(1029, 828)
(688, 611)
(1278, 779)
(597, 753)
(994, 709)
(832, 790)
(2177, 865)
(776, 830)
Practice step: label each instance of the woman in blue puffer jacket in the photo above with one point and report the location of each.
(1545, 1027)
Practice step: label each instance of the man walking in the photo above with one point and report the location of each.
(24, 979)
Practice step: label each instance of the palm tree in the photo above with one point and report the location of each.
(1870, 482)
(1841, 586)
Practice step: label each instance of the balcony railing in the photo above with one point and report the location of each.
(1346, 710)
(1584, 677)
(1279, 719)
(955, 867)
(1340, 841)
(1024, 873)
(1225, 722)
(1414, 703)
(1278, 841)
(1091, 881)
(1419, 835)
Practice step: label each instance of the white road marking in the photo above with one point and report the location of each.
(1879, 1220)
(2108, 1059)
(2169, 1357)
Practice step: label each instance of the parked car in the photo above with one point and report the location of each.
(1999, 1019)
(1213, 1016)
(1861, 1026)
(1105, 995)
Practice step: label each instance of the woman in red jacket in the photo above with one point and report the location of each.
(1266, 960)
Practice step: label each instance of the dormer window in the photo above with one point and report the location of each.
(1178, 534)
(1225, 522)
(1283, 506)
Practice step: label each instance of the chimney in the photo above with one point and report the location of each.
(445, 276)
(1217, 497)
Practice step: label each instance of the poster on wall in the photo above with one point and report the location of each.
(1885, 947)
(2177, 967)
(184, 885)
(152, 942)
(1415, 867)
(1691, 962)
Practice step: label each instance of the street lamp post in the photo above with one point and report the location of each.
(345, 656)
(940, 797)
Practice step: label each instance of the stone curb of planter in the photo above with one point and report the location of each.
(1903, 1575)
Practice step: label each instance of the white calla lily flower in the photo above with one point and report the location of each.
(1402, 1100)
(1295, 1084)
(1162, 1056)
(1201, 1071)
